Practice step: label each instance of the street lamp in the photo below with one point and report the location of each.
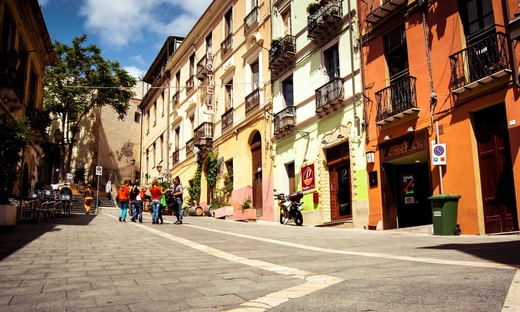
(58, 138)
(132, 161)
(159, 168)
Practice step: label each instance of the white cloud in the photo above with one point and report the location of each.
(138, 59)
(43, 2)
(134, 71)
(120, 22)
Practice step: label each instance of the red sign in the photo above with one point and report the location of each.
(308, 181)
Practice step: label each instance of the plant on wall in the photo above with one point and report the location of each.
(212, 169)
(223, 194)
(246, 204)
(194, 188)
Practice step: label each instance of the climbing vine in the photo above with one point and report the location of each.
(194, 188)
(212, 169)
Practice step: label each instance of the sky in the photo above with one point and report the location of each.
(128, 31)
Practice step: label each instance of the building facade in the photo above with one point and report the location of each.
(318, 135)
(219, 104)
(440, 86)
(26, 50)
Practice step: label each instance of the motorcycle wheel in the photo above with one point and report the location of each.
(281, 218)
(298, 218)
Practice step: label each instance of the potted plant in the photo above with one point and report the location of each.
(313, 7)
(245, 212)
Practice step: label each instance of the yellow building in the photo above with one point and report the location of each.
(217, 89)
(26, 50)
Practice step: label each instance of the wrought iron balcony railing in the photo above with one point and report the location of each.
(329, 96)
(190, 83)
(284, 122)
(227, 44)
(227, 119)
(252, 100)
(11, 86)
(251, 19)
(376, 10)
(175, 157)
(189, 147)
(203, 135)
(176, 98)
(282, 54)
(480, 63)
(325, 21)
(396, 101)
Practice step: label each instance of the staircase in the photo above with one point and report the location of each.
(77, 206)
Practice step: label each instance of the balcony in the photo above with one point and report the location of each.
(325, 21)
(175, 157)
(190, 83)
(284, 122)
(480, 63)
(227, 119)
(282, 54)
(11, 87)
(37, 120)
(376, 10)
(227, 44)
(203, 135)
(205, 66)
(176, 97)
(250, 20)
(189, 147)
(252, 100)
(396, 101)
(329, 97)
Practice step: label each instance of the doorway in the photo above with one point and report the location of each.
(496, 170)
(256, 157)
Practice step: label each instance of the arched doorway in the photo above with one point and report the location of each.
(256, 158)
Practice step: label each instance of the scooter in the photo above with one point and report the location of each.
(290, 207)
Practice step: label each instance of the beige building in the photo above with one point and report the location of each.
(216, 88)
(25, 52)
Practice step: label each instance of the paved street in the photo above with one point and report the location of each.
(96, 263)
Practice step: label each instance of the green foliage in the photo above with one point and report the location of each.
(246, 204)
(15, 137)
(194, 188)
(81, 81)
(313, 7)
(212, 169)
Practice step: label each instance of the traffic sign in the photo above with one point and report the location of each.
(439, 154)
(99, 170)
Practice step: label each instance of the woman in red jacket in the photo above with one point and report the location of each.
(124, 197)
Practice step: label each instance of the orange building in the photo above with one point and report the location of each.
(441, 90)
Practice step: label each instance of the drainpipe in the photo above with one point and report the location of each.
(511, 45)
(351, 34)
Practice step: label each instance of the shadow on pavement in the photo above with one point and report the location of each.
(499, 252)
(15, 238)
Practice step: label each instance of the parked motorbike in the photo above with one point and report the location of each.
(290, 207)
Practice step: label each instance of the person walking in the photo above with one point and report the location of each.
(138, 204)
(156, 193)
(133, 193)
(88, 198)
(177, 194)
(124, 196)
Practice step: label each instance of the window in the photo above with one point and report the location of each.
(476, 15)
(228, 180)
(148, 121)
(161, 147)
(229, 95)
(177, 138)
(288, 91)
(286, 21)
(228, 23)
(154, 151)
(8, 33)
(154, 113)
(137, 117)
(192, 65)
(162, 104)
(192, 124)
(396, 54)
(331, 58)
(255, 73)
(31, 104)
(209, 43)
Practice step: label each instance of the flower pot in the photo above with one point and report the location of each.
(244, 214)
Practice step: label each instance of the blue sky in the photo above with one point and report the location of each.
(128, 31)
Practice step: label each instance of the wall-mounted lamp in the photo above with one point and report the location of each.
(304, 134)
(386, 138)
(410, 129)
(371, 157)
(159, 168)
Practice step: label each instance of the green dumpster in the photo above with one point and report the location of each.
(445, 207)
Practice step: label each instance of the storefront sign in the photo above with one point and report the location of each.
(308, 180)
(439, 154)
(403, 146)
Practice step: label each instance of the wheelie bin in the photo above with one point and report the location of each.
(445, 208)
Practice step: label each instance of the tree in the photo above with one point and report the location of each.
(82, 81)
(16, 134)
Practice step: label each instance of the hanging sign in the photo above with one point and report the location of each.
(308, 181)
(439, 154)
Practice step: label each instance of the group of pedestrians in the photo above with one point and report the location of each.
(134, 199)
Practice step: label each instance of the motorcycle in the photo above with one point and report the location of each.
(290, 207)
